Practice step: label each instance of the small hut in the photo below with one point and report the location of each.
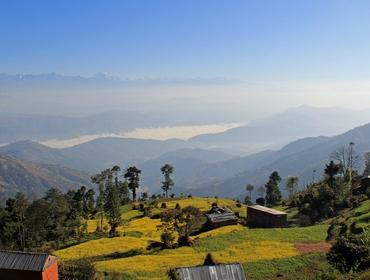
(233, 271)
(221, 216)
(261, 216)
(26, 265)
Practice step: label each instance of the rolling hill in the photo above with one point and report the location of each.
(34, 179)
(94, 155)
(278, 130)
(299, 158)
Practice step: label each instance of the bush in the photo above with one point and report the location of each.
(178, 207)
(163, 205)
(261, 201)
(247, 200)
(78, 270)
(168, 239)
(350, 254)
(172, 195)
(238, 204)
(147, 212)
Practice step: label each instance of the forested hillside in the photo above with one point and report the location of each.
(35, 179)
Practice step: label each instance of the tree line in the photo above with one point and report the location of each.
(58, 219)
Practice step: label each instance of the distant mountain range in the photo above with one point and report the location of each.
(270, 133)
(280, 129)
(34, 179)
(95, 155)
(17, 127)
(299, 158)
(197, 170)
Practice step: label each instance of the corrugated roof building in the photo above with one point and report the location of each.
(261, 216)
(27, 265)
(232, 271)
(220, 217)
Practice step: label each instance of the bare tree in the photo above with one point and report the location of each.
(348, 159)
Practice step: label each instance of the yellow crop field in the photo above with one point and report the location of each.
(219, 231)
(204, 204)
(126, 216)
(128, 254)
(102, 247)
(159, 264)
(144, 225)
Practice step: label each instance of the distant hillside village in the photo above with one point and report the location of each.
(328, 217)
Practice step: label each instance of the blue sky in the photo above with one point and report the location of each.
(249, 40)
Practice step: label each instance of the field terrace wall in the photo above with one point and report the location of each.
(260, 216)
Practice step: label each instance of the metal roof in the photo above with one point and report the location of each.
(221, 217)
(212, 272)
(266, 209)
(25, 260)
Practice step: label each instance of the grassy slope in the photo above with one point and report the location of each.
(263, 252)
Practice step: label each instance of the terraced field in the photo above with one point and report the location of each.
(129, 257)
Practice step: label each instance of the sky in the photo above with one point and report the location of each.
(313, 52)
(248, 40)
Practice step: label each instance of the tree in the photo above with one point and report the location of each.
(350, 253)
(331, 170)
(167, 170)
(273, 194)
(101, 180)
(348, 160)
(183, 221)
(124, 192)
(89, 203)
(112, 206)
(58, 209)
(261, 191)
(133, 176)
(292, 186)
(249, 188)
(367, 164)
(17, 208)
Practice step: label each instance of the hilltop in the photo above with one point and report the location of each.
(264, 253)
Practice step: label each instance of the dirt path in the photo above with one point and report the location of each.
(306, 248)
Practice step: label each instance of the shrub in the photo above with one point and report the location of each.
(178, 207)
(78, 270)
(247, 200)
(168, 239)
(238, 204)
(172, 195)
(190, 196)
(147, 212)
(350, 254)
(260, 201)
(163, 205)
